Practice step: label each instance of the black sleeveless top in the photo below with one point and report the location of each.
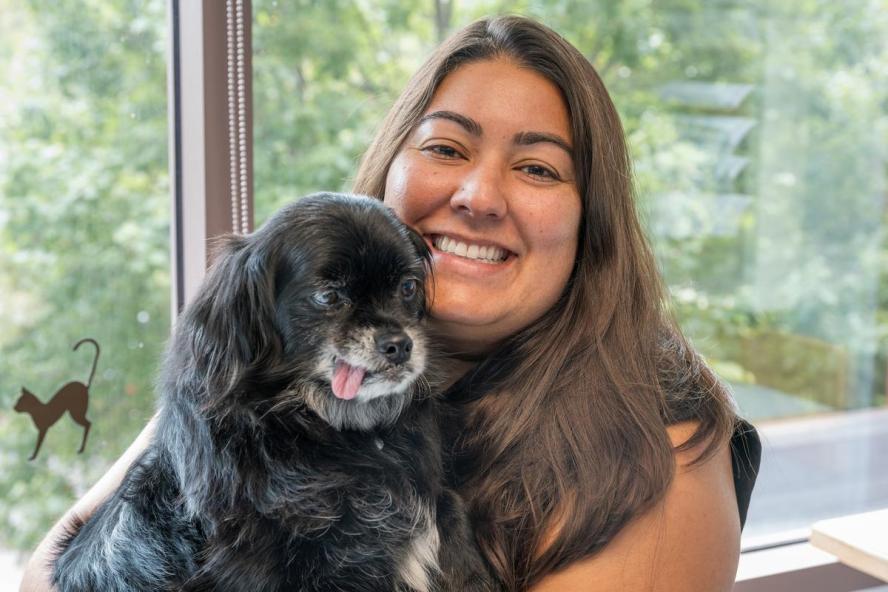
(746, 456)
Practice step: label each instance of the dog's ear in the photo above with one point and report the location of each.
(421, 248)
(229, 326)
(425, 255)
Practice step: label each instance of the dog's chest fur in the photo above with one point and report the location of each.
(334, 506)
(327, 511)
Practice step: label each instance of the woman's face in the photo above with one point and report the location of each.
(487, 178)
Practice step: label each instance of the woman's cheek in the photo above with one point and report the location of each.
(401, 188)
(394, 186)
(414, 188)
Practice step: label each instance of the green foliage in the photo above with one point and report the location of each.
(324, 75)
(758, 133)
(84, 239)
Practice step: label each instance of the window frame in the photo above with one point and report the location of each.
(212, 187)
(202, 174)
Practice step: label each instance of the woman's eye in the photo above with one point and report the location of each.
(409, 289)
(443, 151)
(540, 172)
(327, 298)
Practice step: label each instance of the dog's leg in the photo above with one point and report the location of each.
(462, 567)
(137, 540)
(40, 437)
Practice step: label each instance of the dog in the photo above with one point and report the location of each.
(297, 445)
(73, 398)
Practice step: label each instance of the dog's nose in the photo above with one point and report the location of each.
(394, 345)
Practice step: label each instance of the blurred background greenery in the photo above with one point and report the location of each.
(758, 132)
(84, 239)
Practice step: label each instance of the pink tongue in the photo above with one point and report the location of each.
(346, 380)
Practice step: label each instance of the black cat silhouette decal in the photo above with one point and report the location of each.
(73, 398)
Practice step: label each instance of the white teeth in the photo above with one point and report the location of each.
(489, 254)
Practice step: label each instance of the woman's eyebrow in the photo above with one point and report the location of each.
(528, 138)
(520, 139)
(468, 123)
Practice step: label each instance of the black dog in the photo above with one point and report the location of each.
(297, 446)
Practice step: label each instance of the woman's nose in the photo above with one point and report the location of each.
(481, 195)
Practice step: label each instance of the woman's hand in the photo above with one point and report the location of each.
(38, 573)
(690, 541)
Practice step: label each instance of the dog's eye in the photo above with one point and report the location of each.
(327, 298)
(408, 289)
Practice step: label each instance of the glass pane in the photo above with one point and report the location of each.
(759, 140)
(324, 75)
(84, 245)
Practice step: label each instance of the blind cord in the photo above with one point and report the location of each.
(237, 116)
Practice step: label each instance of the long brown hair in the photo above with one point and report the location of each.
(564, 436)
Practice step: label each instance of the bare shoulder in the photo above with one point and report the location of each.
(690, 541)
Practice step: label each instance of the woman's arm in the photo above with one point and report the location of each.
(690, 541)
(38, 574)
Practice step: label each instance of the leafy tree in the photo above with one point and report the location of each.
(84, 238)
(758, 133)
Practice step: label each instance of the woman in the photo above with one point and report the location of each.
(594, 449)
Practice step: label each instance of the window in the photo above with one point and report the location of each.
(758, 134)
(84, 240)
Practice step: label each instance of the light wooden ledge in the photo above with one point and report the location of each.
(859, 541)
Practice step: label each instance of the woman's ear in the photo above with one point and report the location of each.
(229, 326)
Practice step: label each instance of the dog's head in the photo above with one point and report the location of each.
(321, 307)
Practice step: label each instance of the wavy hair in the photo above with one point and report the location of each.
(562, 437)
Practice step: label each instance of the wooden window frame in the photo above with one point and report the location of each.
(210, 99)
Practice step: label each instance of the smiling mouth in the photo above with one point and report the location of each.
(483, 253)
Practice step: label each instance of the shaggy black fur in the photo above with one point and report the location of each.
(258, 477)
